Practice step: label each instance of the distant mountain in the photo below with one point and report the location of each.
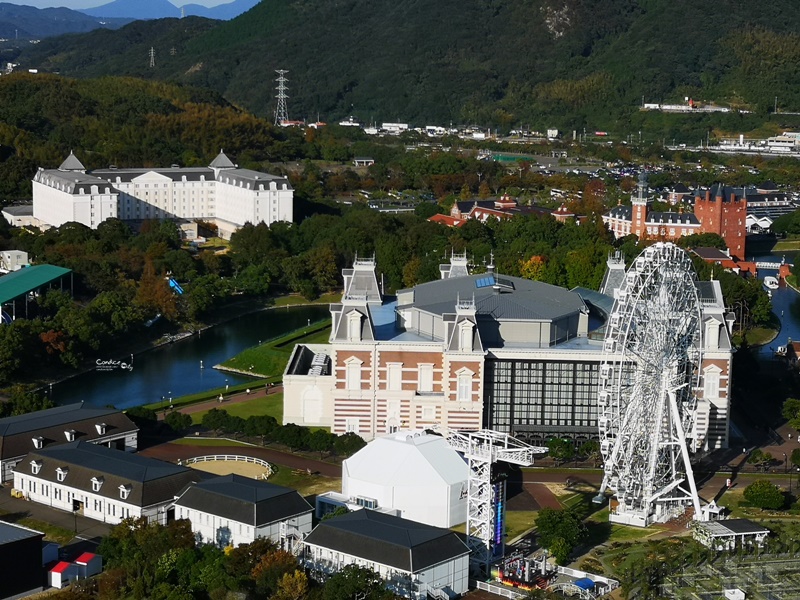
(27, 22)
(569, 64)
(135, 9)
(223, 12)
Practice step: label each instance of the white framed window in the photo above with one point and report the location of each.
(351, 425)
(428, 413)
(70, 435)
(124, 491)
(464, 388)
(61, 473)
(101, 428)
(711, 377)
(97, 483)
(352, 374)
(465, 337)
(425, 378)
(38, 442)
(354, 327)
(394, 376)
(36, 466)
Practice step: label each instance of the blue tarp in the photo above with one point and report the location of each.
(585, 583)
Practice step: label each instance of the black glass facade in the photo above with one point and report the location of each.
(537, 400)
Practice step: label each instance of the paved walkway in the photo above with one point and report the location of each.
(237, 398)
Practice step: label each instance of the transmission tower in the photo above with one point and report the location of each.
(152, 57)
(486, 495)
(281, 112)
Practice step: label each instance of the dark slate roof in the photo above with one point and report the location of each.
(72, 182)
(740, 526)
(679, 188)
(16, 433)
(671, 218)
(711, 254)
(524, 300)
(222, 162)
(705, 290)
(388, 540)
(768, 186)
(10, 532)
(173, 173)
(71, 163)
(246, 176)
(620, 212)
(244, 500)
(151, 481)
(22, 210)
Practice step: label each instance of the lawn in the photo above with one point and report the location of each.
(51, 533)
(304, 483)
(271, 405)
(270, 359)
(518, 522)
(294, 300)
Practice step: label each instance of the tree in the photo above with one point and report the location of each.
(292, 586)
(796, 457)
(559, 531)
(791, 412)
(271, 568)
(764, 494)
(590, 451)
(215, 419)
(348, 444)
(321, 441)
(354, 581)
(561, 449)
(178, 421)
(760, 459)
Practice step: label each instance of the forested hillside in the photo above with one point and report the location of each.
(566, 63)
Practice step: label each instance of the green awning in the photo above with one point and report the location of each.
(27, 279)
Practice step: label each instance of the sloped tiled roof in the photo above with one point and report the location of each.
(388, 540)
(71, 163)
(151, 481)
(16, 433)
(244, 500)
(222, 162)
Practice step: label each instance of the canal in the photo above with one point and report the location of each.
(174, 369)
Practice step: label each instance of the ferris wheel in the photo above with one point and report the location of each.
(646, 399)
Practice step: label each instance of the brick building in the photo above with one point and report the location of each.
(720, 211)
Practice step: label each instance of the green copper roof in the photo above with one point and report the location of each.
(27, 279)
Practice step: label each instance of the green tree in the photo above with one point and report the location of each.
(321, 441)
(559, 530)
(354, 581)
(791, 412)
(561, 449)
(590, 450)
(178, 421)
(215, 419)
(764, 494)
(796, 457)
(348, 444)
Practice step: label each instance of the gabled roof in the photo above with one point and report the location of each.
(150, 481)
(619, 212)
(71, 163)
(16, 433)
(222, 162)
(244, 500)
(388, 540)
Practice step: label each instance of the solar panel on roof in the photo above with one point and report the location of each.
(505, 282)
(484, 282)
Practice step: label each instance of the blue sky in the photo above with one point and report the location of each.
(75, 4)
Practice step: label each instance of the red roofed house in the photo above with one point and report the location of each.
(63, 574)
(89, 564)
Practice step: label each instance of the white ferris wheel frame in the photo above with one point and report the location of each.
(647, 400)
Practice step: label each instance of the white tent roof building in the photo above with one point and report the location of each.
(413, 472)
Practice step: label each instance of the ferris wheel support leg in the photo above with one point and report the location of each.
(698, 513)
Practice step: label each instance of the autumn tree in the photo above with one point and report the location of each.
(533, 268)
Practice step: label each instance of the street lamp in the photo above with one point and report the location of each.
(785, 466)
(226, 385)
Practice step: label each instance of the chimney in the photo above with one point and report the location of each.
(708, 195)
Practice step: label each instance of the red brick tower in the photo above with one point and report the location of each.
(639, 207)
(721, 212)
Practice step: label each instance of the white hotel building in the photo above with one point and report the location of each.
(220, 193)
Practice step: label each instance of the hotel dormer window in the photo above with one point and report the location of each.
(38, 442)
(36, 466)
(97, 483)
(61, 473)
(124, 491)
(70, 435)
(101, 428)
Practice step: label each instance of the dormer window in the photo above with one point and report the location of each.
(124, 491)
(38, 442)
(36, 466)
(101, 428)
(97, 483)
(70, 435)
(354, 327)
(61, 473)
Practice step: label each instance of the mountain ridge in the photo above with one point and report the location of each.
(160, 9)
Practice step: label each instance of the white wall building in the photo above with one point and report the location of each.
(417, 474)
(100, 483)
(412, 558)
(233, 510)
(220, 193)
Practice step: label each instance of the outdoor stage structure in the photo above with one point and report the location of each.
(646, 400)
(486, 493)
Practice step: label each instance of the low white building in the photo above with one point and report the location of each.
(413, 474)
(100, 483)
(233, 510)
(221, 193)
(413, 559)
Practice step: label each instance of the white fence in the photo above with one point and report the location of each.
(231, 457)
(500, 590)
